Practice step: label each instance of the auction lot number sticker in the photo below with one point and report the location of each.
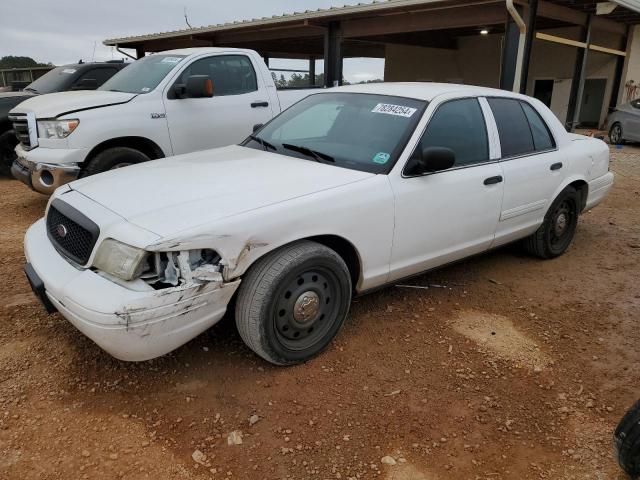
(397, 110)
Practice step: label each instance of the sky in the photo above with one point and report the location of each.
(65, 32)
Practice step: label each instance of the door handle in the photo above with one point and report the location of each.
(493, 180)
(556, 166)
(259, 104)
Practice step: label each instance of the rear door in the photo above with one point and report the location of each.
(239, 102)
(533, 167)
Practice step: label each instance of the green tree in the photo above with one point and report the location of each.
(11, 61)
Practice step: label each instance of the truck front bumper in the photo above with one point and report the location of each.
(130, 325)
(45, 169)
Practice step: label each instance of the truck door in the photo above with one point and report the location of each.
(240, 101)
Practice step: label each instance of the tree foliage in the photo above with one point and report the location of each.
(11, 61)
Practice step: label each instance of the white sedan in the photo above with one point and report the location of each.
(346, 191)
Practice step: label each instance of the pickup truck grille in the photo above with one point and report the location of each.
(70, 232)
(21, 127)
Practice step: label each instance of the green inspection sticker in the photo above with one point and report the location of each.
(381, 158)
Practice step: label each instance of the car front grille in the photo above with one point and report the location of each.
(21, 128)
(71, 233)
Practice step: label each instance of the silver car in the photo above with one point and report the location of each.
(624, 123)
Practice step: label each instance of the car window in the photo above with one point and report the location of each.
(143, 75)
(230, 74)
(100, 75)
(458, 125)
(513, 127)
(542, 139)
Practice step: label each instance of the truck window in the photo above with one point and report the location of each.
(100, 75)
(143, 75)
(230, 74)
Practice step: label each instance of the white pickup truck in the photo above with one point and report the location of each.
(165, 104)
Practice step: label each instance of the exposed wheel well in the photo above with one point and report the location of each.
(582, 188)
(144, 145)
(5, 126)
(346, 250)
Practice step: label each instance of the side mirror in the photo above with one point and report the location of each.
(199, 86)
(86, 84)
(257, 127)
(432, 159)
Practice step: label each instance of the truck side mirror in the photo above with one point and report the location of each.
(198, 86)
(257, 127)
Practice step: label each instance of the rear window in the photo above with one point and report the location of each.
(513, 127)
(521, 128)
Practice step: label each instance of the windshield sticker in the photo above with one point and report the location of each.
(146, 89)
(69, 70)
(398, 110)
(381, 158)
(171, 60)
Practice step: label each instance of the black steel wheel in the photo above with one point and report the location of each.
(292, 302)
(556, 233)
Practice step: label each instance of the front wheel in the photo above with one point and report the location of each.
(113, 158)
(558, 228)
(292, 302)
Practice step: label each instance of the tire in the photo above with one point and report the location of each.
(556, 233)
(626, 440)
(292, 302)
(113, 158)
(8, 142)
(615, 134)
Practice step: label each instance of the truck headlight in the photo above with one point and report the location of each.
(56, 128)
(119, 259)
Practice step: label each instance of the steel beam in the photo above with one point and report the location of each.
(333, 55)
(577, 85)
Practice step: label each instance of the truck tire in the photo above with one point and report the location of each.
(558, 228)
(8, 142)
(626, 440)
(293, 301)
(112, 158)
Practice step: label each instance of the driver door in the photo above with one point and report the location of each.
(447, 215)
(239, 102)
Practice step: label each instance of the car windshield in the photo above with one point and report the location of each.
(53, 81)
(143, 75)
(351, 130)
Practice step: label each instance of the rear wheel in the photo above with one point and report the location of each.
(8, 142)
(113, 158)
(292, 302)
(558, 228)
(615, 134)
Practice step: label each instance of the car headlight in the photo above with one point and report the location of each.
(56, 128)
(119, 259)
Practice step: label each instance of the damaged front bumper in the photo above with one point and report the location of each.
(130, 325)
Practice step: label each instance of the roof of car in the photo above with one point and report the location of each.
(198, 50)
(423, 90)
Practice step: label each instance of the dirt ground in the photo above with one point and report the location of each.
(507, 367)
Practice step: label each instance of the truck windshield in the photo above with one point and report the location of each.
(351, 130)
(143, 75)
(54, 80)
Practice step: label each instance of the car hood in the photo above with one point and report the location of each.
(174, 194)
(57, 104)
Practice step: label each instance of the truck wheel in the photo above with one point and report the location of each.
(293, 301)
(113, 158)
(615, 134)
(626, 440)
(8, 142)
(558, 228)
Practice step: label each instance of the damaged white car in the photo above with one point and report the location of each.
(346, 191)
